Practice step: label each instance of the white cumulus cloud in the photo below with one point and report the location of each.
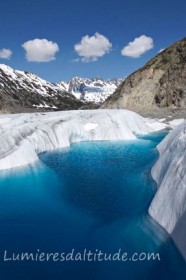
(138, 47)
(92, 47)
(5, 53)
(40, 50)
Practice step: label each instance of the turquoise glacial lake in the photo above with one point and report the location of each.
(91, 196)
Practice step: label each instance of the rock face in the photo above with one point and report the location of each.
(25, 92)
(161, 83)
(94, 90)
(168, 207)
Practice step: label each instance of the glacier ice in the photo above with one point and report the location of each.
(168, 207)
(24, 136)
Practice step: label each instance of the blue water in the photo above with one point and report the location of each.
(89, 196)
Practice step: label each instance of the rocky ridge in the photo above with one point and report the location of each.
(23, 91)
(160, 84)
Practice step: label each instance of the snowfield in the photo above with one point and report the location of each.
(24, 136)
(168, 207)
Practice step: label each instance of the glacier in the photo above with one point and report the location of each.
(168, 207)
(24, 136)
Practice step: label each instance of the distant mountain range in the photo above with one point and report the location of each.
(23, 91)
(94, 90)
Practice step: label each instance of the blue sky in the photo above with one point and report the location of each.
(109, 26)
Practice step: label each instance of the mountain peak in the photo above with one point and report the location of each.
(23, 91)
(94, 90)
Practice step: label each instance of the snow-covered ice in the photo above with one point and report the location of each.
(168, 207)
(164, 123)
(24, 136)
(175, 122)
(156, 124)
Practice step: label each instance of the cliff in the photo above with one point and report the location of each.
(161, 83)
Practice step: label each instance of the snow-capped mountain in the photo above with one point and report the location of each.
(22, 91)
(94, 90)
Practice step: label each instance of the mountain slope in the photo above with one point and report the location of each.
(161, 83)
(25, 92)
(94, 90)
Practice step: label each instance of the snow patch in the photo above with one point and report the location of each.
(90, 126)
